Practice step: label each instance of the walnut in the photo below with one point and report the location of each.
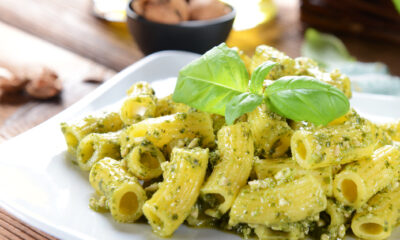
(43, 83)
(163, 11)
(9, 82)
(207, 9)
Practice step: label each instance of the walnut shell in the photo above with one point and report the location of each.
(9, 82)
(43, 83)
(163, 11)
(207, 9)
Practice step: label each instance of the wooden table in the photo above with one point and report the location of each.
(64, 36)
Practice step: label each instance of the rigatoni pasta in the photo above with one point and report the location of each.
(235, 144)
(139, 104)
(378, 218)
(96, 146)
(165, 106)
(144, 160)
(263, 203)
(392, 129)
(271, 133)
(123, 193)
(162, 130)
(359, 181)
(96, 123)
(263, 176)
(172, 202)
(286, 169)
(330, 145)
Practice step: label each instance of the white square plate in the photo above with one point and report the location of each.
(40, 185)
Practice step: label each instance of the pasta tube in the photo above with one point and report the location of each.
(271, 133)
(269, 204)
(137, 107)
(144, 160)
(140, 103)
(162, 130)
(165, 106)
(96, 146)
(287, 169)
(332, 145)
(124, 195)
(177, 194)
(338, 216)
(359, 181)
(392, 129)
(98, 123)
(265, 53)
(377, 220)
(307, 66)
(140, 88)
(235, 145)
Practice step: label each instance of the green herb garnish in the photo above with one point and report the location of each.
(305, 98)
(396, 4)
(218, 82)
(326, 49)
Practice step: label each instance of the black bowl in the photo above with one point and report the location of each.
(194, 36)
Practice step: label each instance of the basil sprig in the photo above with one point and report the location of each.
(218, 82)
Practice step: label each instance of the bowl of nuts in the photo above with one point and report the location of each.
(190, 25)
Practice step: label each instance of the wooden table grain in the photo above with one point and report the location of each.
(19, 113)
(70, 25)
(66, 37)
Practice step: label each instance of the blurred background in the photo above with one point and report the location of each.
(70, 47)
(54, 52)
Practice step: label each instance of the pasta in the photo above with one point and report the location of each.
(355, 139)
(277, 140)
(165, 106)
(262, 203)
(339, 216)
(376, 220)
(172, 202)
(266, 53)
(263, 176)
(139, 104)
(392, 129)
(285, 169)
(123, 194)
(96, 123)
(162, 130)
(96, 146)
(306, 66)
(236, 148)
(359, 181)
(144, 160)
(137, 107)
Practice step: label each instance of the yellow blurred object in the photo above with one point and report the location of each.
(251, 13)
(110, 10)
(253, 25)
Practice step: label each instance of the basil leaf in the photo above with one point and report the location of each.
(326, 49)
(241, 104)
(258, 76)
(396, 4)
(303, 98)
(211, 81)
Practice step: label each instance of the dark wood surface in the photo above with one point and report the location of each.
(66, 37)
